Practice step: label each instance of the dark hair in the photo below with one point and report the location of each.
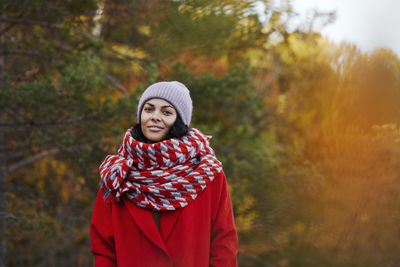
(178, 130)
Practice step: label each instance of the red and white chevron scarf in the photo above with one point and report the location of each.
(162, 176)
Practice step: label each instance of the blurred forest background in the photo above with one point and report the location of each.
(308, 130)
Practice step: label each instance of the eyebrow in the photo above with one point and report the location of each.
(166, 106)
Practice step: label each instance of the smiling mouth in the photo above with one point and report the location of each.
(153, 127)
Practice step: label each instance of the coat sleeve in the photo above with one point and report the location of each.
(101, 234)
(224, 241)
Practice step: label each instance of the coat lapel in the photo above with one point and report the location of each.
(168, 220)
(144, 220)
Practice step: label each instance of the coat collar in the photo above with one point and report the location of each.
(144, 220)
(168, 220)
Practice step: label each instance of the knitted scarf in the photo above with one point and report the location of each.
(162, 176)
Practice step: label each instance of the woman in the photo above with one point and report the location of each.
(163, 199)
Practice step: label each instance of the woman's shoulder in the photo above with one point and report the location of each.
(104, 201)
(220, 176)
(218, 184)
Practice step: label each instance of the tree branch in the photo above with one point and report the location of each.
(29, 22)
(7, 215)
(32, 159)
(41, 23)
(111, 80)
(47, 123)
(22, 52)
(5, 29)
(14, 154)
(31, 53)
(41, 155)
(141, 62)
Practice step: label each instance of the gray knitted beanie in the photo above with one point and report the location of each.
(175, 93)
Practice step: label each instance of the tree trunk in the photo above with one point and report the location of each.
(3, 171)
(97, 23)
(3, 190)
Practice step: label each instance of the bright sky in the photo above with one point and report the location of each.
(367, 23)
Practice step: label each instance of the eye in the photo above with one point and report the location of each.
(166, 112)
(147, 109)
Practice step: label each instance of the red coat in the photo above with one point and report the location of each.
(200, 234)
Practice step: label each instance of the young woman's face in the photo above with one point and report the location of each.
(156, 119)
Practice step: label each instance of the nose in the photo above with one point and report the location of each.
(156, 116)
